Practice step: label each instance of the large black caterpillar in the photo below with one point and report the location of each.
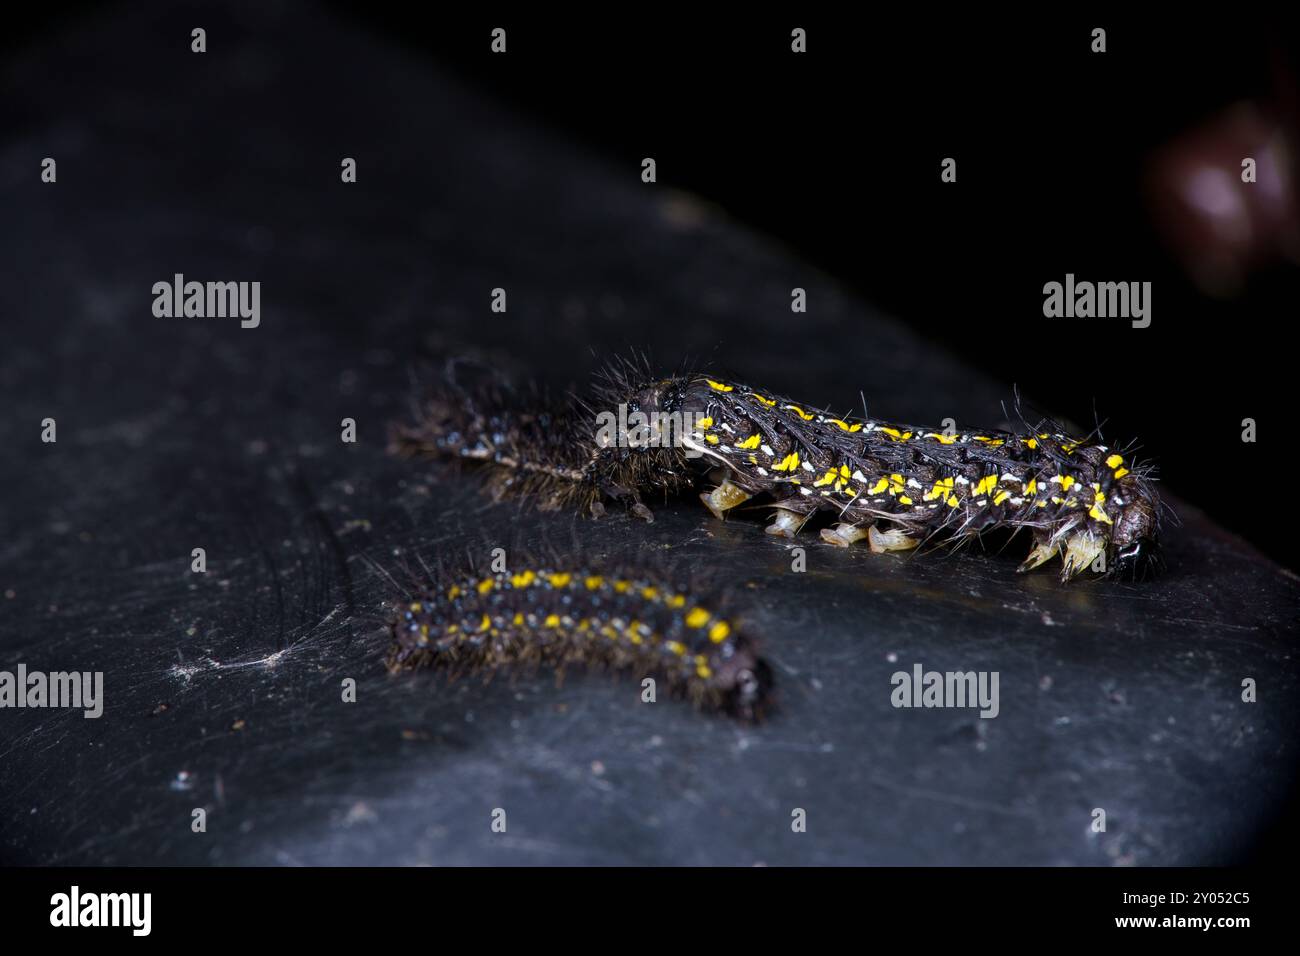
(895, 485)
(562, 615)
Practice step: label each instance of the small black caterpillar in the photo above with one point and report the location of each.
(895, 485)
(548, 614)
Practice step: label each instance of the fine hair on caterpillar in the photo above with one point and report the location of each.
(894, 485)
(516, 610)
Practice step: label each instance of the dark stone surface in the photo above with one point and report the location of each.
(223, 689)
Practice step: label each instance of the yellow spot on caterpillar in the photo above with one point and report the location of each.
(800, 412)
(845, 426)
(1001, 497)
(711, 439)
(675, 601)
(1065, 481)
(895, 434)
(1114, 461)
(697, 618)
(523, 580)
(845, 473)
(622, 586)
(766, 401)
(486, 585)
(940, 489)
(453, 592)
(1030, 442)
(903, 499)
(878, 487)
(718, 632)
(519, 619)
(991, 442)
(826, 479)
(417, 607)
(1121, 472)
(986, 484)
(718, 386)
(594, 582)
(705, 422)
(552, 620)
(650, 594)
(789, 463)
(941, 438)
(485, 623)
(702, 670)
(750, 442)
(952, 501)
(1032, 487)
(559, 580)
(676, 647)
(424, 630)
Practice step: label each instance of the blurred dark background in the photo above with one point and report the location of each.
(1067, 162)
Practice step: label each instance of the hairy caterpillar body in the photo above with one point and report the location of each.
(569, 615)
(892, 484)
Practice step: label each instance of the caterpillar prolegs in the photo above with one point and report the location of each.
(567, 614)
(894, 485)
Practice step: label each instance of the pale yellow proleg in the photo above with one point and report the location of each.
(1043, 552)
(891, 539)
(787, 523)
(724, 497)
(843, 534)
(1081, 549)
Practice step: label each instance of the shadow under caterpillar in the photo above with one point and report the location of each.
(894, 485)
(559, 614)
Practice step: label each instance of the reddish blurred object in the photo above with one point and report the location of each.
(1220, 226)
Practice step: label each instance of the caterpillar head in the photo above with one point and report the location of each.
(1135, 544)
(746, 682)
(641, 424)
